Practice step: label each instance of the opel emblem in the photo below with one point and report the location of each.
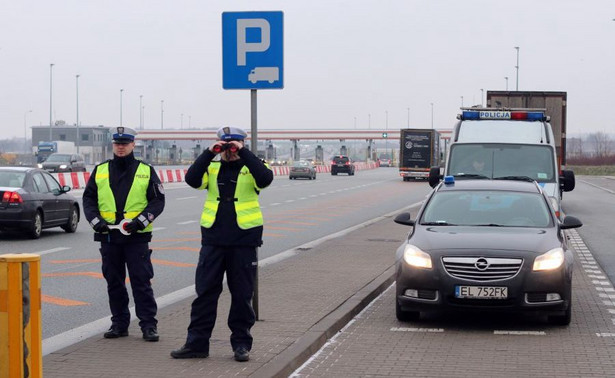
(481, 264)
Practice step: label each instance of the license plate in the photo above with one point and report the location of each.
(481, 292)
(340, 165)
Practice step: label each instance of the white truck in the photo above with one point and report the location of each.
(507, 144)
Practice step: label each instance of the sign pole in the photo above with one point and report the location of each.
(254, 149)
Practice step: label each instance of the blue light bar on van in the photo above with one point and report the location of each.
(502, 114)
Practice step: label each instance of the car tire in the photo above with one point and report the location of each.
(290, 178)
(73, 221)
(406, 316)
(37, 226)
(562, 320)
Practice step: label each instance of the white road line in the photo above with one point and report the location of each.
(187, 222)
(424, 330)
(51, 251)
(185, 198)
(520, 333)
(158, 229)
(605, 334)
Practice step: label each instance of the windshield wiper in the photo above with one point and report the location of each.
(438, 223)
(471, 175)
(517, 178)
(489, 225)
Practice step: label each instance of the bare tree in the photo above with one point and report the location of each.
(574, 147)
(601, 142)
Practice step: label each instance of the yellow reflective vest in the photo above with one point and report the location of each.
(137, 196)
(246, 204)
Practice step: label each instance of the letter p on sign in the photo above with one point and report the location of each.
(243, 46)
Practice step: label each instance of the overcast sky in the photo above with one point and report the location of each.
(344, 60)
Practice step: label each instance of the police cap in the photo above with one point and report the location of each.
(231, 133)
(124, 135)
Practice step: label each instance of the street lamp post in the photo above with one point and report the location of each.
(369, 121)
(77, 121)
(517, 67)
(189, 121)
(50, 99)
(506, 77)
(386, 128)
(121, 92)
(25, 131)
(431, 114)
(482, 96)
(408, 109)
(140, 111)
(161, 114)
(355, 122)
(462, 101)
(181, 123)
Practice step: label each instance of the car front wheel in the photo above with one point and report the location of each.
(37, 226)
(73, 221)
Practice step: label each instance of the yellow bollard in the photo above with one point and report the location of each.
(21, 351)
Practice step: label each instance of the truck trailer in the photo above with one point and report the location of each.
(419, 150)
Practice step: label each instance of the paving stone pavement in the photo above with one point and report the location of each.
(376, 344)
(303, 300)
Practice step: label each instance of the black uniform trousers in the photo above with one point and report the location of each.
(239, 262)
(116, 258)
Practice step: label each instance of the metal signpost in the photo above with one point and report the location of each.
(252, 58)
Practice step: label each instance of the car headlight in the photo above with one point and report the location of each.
(549, 260)
(39, 165)
(413, 256)
(63, 166)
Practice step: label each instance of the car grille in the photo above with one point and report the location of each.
(482, 268)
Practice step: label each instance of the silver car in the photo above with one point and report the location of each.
(302, 169)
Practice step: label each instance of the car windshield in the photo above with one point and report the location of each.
(487, 208)
(301, 164)
(503, 160)
(59, 158)
(12, 179)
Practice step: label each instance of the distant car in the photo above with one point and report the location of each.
(63, 163)
(385, 162)
(485, 245)
(342, 164)
(32, 200)
(302, 169)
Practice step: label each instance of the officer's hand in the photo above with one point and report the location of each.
(99, 225)
(134, 226)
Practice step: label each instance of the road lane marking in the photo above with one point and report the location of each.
(158, 228)
(283, 228)
(520, 333)
(273, 235)
(409, 329)
(176, 249)
(185, 198)
(293, 222)
(76, 261)
(53, 250)
(176, 240)
(61, 301)
(605, 334)
(72, 274)
(187, 222)
(173, 263)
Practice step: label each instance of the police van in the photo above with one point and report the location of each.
(506, 144)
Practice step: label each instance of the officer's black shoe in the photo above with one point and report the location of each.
(150, 334)
(114, 332)
(242, 354)
(186, 352)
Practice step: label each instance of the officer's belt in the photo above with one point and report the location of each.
(227, 199)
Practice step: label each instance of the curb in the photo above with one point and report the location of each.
(301, 350)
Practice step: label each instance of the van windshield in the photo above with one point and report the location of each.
(501, 160)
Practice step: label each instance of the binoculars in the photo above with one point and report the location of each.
(223, 147)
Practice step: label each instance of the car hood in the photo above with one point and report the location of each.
(438, 238)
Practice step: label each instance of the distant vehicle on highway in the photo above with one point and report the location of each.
(385, 161)
(302, 169)
(492, 245)
(342, 164)
(63, 163)
(32, 200)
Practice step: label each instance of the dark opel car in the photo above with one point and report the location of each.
(485, 245)
(33, 200)
(342, 164)
(64, 163)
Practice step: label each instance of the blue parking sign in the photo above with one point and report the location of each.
(252, 50)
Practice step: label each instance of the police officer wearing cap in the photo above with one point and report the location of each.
(125, 192)
(231, 231)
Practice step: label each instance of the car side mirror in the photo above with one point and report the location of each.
(571, 222)
(66, 188)
(404, 219)
(434, 176)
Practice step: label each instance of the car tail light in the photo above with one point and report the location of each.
(11, 197)
(347, 163)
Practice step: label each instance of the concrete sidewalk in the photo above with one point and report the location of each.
(304, 300)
